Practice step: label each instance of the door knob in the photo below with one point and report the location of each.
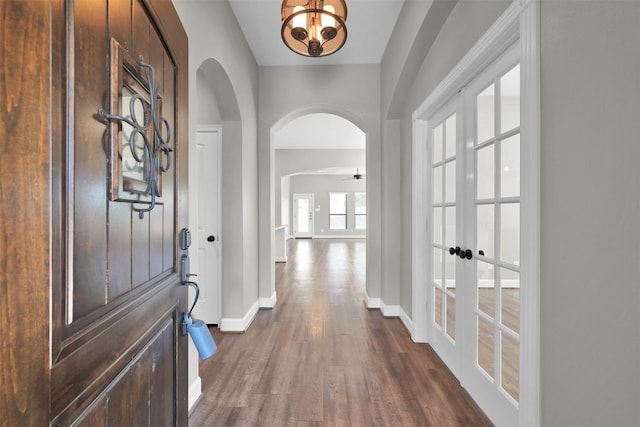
(211, 239)
(454, 251)
(466, 254)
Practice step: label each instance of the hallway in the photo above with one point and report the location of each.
(320, 358)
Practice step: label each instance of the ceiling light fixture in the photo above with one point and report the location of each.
(314, 27)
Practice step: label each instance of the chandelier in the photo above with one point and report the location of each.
(314, 27)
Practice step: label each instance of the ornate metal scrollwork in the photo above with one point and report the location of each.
(149, 138)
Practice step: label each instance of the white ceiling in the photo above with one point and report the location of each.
(369, 26)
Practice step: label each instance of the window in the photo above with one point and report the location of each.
(360, 212)
(337, 211)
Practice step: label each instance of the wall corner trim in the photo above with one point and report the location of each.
(195, 393)
(269, 302)
(240, 325)
(408, 323)
(371, 302)
(389, 310)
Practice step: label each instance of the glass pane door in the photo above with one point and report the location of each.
(496, 154)
(303, 215)
(445, 216)
(302, 209)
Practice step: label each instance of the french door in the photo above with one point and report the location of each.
(474, 286)
(446, 214)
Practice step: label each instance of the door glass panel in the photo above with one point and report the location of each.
(437, 144)
(510, 167)
(510, 233)
(437, 266)
(485, 175)
(486, 341)
(510, 99)
(511, 366)
(450, 182)
(485, 229)
(450, 272)
(437, 184)
(437, 309)
(450, 133)
(510, 289)
(450, 220)
(451, 317)
(486, 288)
(303, 216)
(437, 225)
(485, 103)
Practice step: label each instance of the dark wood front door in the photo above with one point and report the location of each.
(93, 337)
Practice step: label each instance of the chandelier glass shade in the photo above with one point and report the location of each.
(314, 27)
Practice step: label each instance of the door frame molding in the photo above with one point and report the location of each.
(520, 23)
(194, 205)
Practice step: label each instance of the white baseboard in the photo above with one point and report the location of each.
(281, 259)
(268, 302)
(195, 392)
(389, 310)
(240, 325)
(371, 302)
(345, 236)
(408, 323)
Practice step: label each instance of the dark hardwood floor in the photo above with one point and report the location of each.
(320, 358)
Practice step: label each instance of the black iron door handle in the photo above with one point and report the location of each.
(455, 251)
(466, 254)
(211, 239)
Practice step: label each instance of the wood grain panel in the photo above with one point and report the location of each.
(141, 33)
(168, 180)
(90, 83)
(95, 416)
(140, 248)
(56, 228)
(156, 231)
(120, 27)
(25, 129)
(119, 249)
(109, 351)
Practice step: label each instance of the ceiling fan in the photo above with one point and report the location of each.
(357, 177)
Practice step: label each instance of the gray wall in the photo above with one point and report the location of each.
(590, 253)
(217, 44)
(320, 186)
(350, 91)
(289, 162)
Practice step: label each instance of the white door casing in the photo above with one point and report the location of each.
(208, 170)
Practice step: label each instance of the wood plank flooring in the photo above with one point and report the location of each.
(320, 358)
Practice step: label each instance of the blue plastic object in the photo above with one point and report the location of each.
(201, 336)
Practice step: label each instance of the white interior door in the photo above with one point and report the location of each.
(446, 215)
(474, 287)
(495, 233)
(303, 215)
(208, 151)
